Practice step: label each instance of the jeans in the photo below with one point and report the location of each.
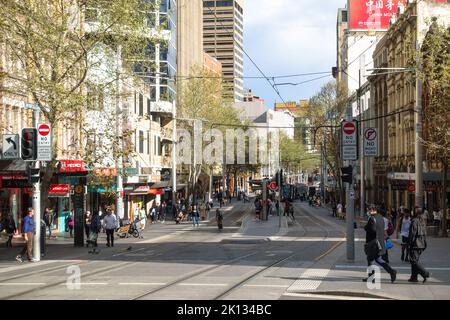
(381, 262)
(110, 237)
(49, 231)
(194, 220)
(416, 266)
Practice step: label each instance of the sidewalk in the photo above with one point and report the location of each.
(339, 277)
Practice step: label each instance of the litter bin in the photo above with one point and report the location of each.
(43, 230)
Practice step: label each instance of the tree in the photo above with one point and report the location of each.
(294, 156)
(435, 73)
(201, 98)
(48, 44)
(325, 112)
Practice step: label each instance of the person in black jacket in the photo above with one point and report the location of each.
(417, 243)
(375, 240)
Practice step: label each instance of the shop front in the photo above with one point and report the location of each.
(15, 190)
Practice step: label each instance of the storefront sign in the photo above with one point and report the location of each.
(59, 189)
(15, 181)
(401, 176)
(142, 189)
(105, 172)
(71, 166)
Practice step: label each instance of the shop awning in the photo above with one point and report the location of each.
(13, 166)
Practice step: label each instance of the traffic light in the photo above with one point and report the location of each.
(34, 174)
(29, 144)
(347, 173)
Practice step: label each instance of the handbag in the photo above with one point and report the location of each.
(388, 244)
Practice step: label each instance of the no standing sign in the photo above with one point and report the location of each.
(371, 142)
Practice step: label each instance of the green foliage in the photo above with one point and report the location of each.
(294, 155)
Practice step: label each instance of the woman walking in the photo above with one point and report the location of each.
(403, 226)
(195, 215)
(10, 227)
(417, 244)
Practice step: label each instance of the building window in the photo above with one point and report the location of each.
(141, 105)
(141, 142)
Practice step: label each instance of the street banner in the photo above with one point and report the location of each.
(372, 15)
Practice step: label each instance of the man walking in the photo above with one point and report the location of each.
(375, 246)
(417, 244)
(28, 230)
(110, 223)
(95, 228)
(48, 219)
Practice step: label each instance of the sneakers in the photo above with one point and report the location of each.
(19, 259)
(413, 280)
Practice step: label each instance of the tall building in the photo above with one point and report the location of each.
(223, 39)
(341, 29)
(189, 37)
(394, 168)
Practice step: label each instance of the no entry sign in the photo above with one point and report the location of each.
(349, 140)
(44, 142)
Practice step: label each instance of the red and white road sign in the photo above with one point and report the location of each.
(273, 186)
(43, 129)
(349, 128)
(44, 142)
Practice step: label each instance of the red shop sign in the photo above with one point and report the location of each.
(72, 166)
(59, 188)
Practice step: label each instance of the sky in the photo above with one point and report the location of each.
(286, 37)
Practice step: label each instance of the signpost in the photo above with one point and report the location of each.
(44, 143)
(11, 147)
(371, 142)
(273, 186)
(349, 140)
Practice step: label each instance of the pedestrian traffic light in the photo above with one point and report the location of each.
(34, 174)
(29, 144)
(346, 175)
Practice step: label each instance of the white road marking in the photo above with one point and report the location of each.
(23, 284)
(266, 285)
(204, 284)
(89, 284)
(142, 284)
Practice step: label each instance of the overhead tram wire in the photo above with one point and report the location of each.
(248, 56)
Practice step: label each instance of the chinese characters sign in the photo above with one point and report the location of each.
(372, 14)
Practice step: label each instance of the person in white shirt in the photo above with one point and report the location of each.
(437, 217)
(403, 226)
(110, 223)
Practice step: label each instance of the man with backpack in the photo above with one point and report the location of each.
(375, 247)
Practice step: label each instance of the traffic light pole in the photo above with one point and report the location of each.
(36, 203)
(350, 216)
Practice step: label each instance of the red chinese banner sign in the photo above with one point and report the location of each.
(366, 15)
(70, 166)
(56, 189)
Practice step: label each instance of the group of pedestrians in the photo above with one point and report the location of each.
(412, 227)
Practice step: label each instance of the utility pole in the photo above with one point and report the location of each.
(350, 216)
(362, 197)
(36, 202)
(119, 160)
(174, 155)
(418, 129)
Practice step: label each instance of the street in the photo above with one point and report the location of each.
(254, 260)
